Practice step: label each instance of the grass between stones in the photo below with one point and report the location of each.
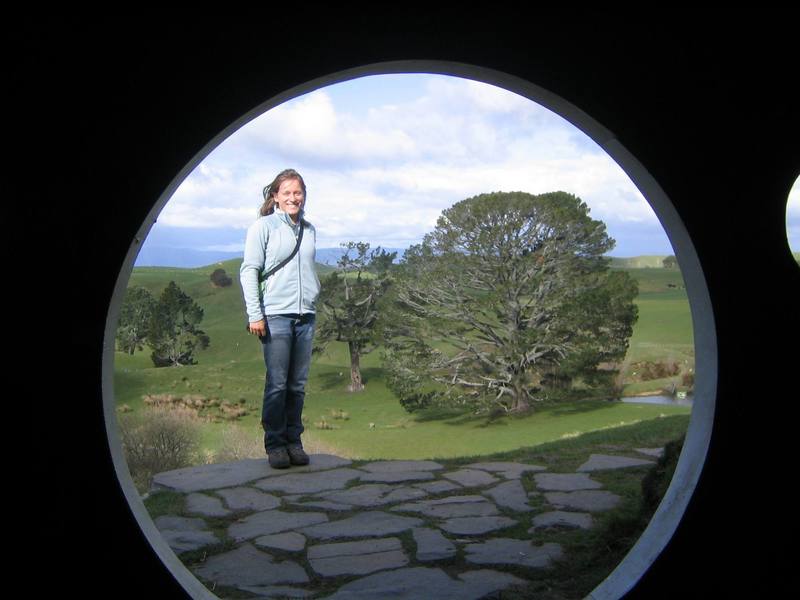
(589, 555)
(164, 502)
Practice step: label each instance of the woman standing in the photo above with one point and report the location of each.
(280, 301)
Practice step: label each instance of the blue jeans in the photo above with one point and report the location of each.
(287, 356)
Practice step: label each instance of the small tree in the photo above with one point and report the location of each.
(349, 303)
(219, 278)
(670, 262)
(134, 319)
(173, 331)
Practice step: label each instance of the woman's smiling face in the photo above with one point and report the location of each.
(290, 198)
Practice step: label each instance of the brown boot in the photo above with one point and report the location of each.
(297, 455)
(278, 458)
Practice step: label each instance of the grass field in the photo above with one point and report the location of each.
(376, 426)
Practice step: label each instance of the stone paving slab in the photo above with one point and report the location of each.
(558, 518)
(437, 487)
(309, 483)
(471, 477)
(424, 582)
(450, 508)
(168, 522)
(232, 474)
(397, 476)
(245, 498)
(457, 499)
(203, 504)
(432, 545)
(509, 470)
(584, 500)
(290, 541)
(365, 524)
(375, 494)
(357, 558)
(507, 551)
(654, 452)
(325, 505)
(248, 566)
(510, 494)
(370, 546)
(476, 525)
(208, 477)
(604, 462)
(565, 482)
(362, 564)
(272, 521)
(185, 541)
(183, 534)
(393, 466)
(277, 591)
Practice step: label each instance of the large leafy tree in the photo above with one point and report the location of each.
(173, 333)
(508, 289)
(349, 303)
(134, 319)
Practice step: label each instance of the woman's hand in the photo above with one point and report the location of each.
(259, 328)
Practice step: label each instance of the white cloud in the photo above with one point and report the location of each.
(491, 98)
(311, 128)
(387, 173)
(188, 215)
(234, 247)
(793, 217)
(793, 205)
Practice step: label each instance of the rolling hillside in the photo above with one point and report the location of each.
(664, 329)
(638, 262)
(232, 370)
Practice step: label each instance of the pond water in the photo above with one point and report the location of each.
(674, 401)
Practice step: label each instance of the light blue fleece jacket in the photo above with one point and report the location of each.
(294, 288)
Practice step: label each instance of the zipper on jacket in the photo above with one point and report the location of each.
(299, 282)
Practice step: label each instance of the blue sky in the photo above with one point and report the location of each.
(793, 217)
(383, 155)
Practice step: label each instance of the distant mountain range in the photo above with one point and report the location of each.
(186, 258)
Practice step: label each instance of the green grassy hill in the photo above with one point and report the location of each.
(638, 262)
(232, 369)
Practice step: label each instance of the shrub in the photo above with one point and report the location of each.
(220, 279)
(159, 440)
(656, 481)
(238, 444)
(649, 370)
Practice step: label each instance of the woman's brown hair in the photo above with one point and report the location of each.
(269, 191)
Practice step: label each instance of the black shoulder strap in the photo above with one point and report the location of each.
(285, 261)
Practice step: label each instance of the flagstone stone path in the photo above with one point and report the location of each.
(334, 530)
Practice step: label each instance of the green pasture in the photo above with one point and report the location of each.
(376, 426)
